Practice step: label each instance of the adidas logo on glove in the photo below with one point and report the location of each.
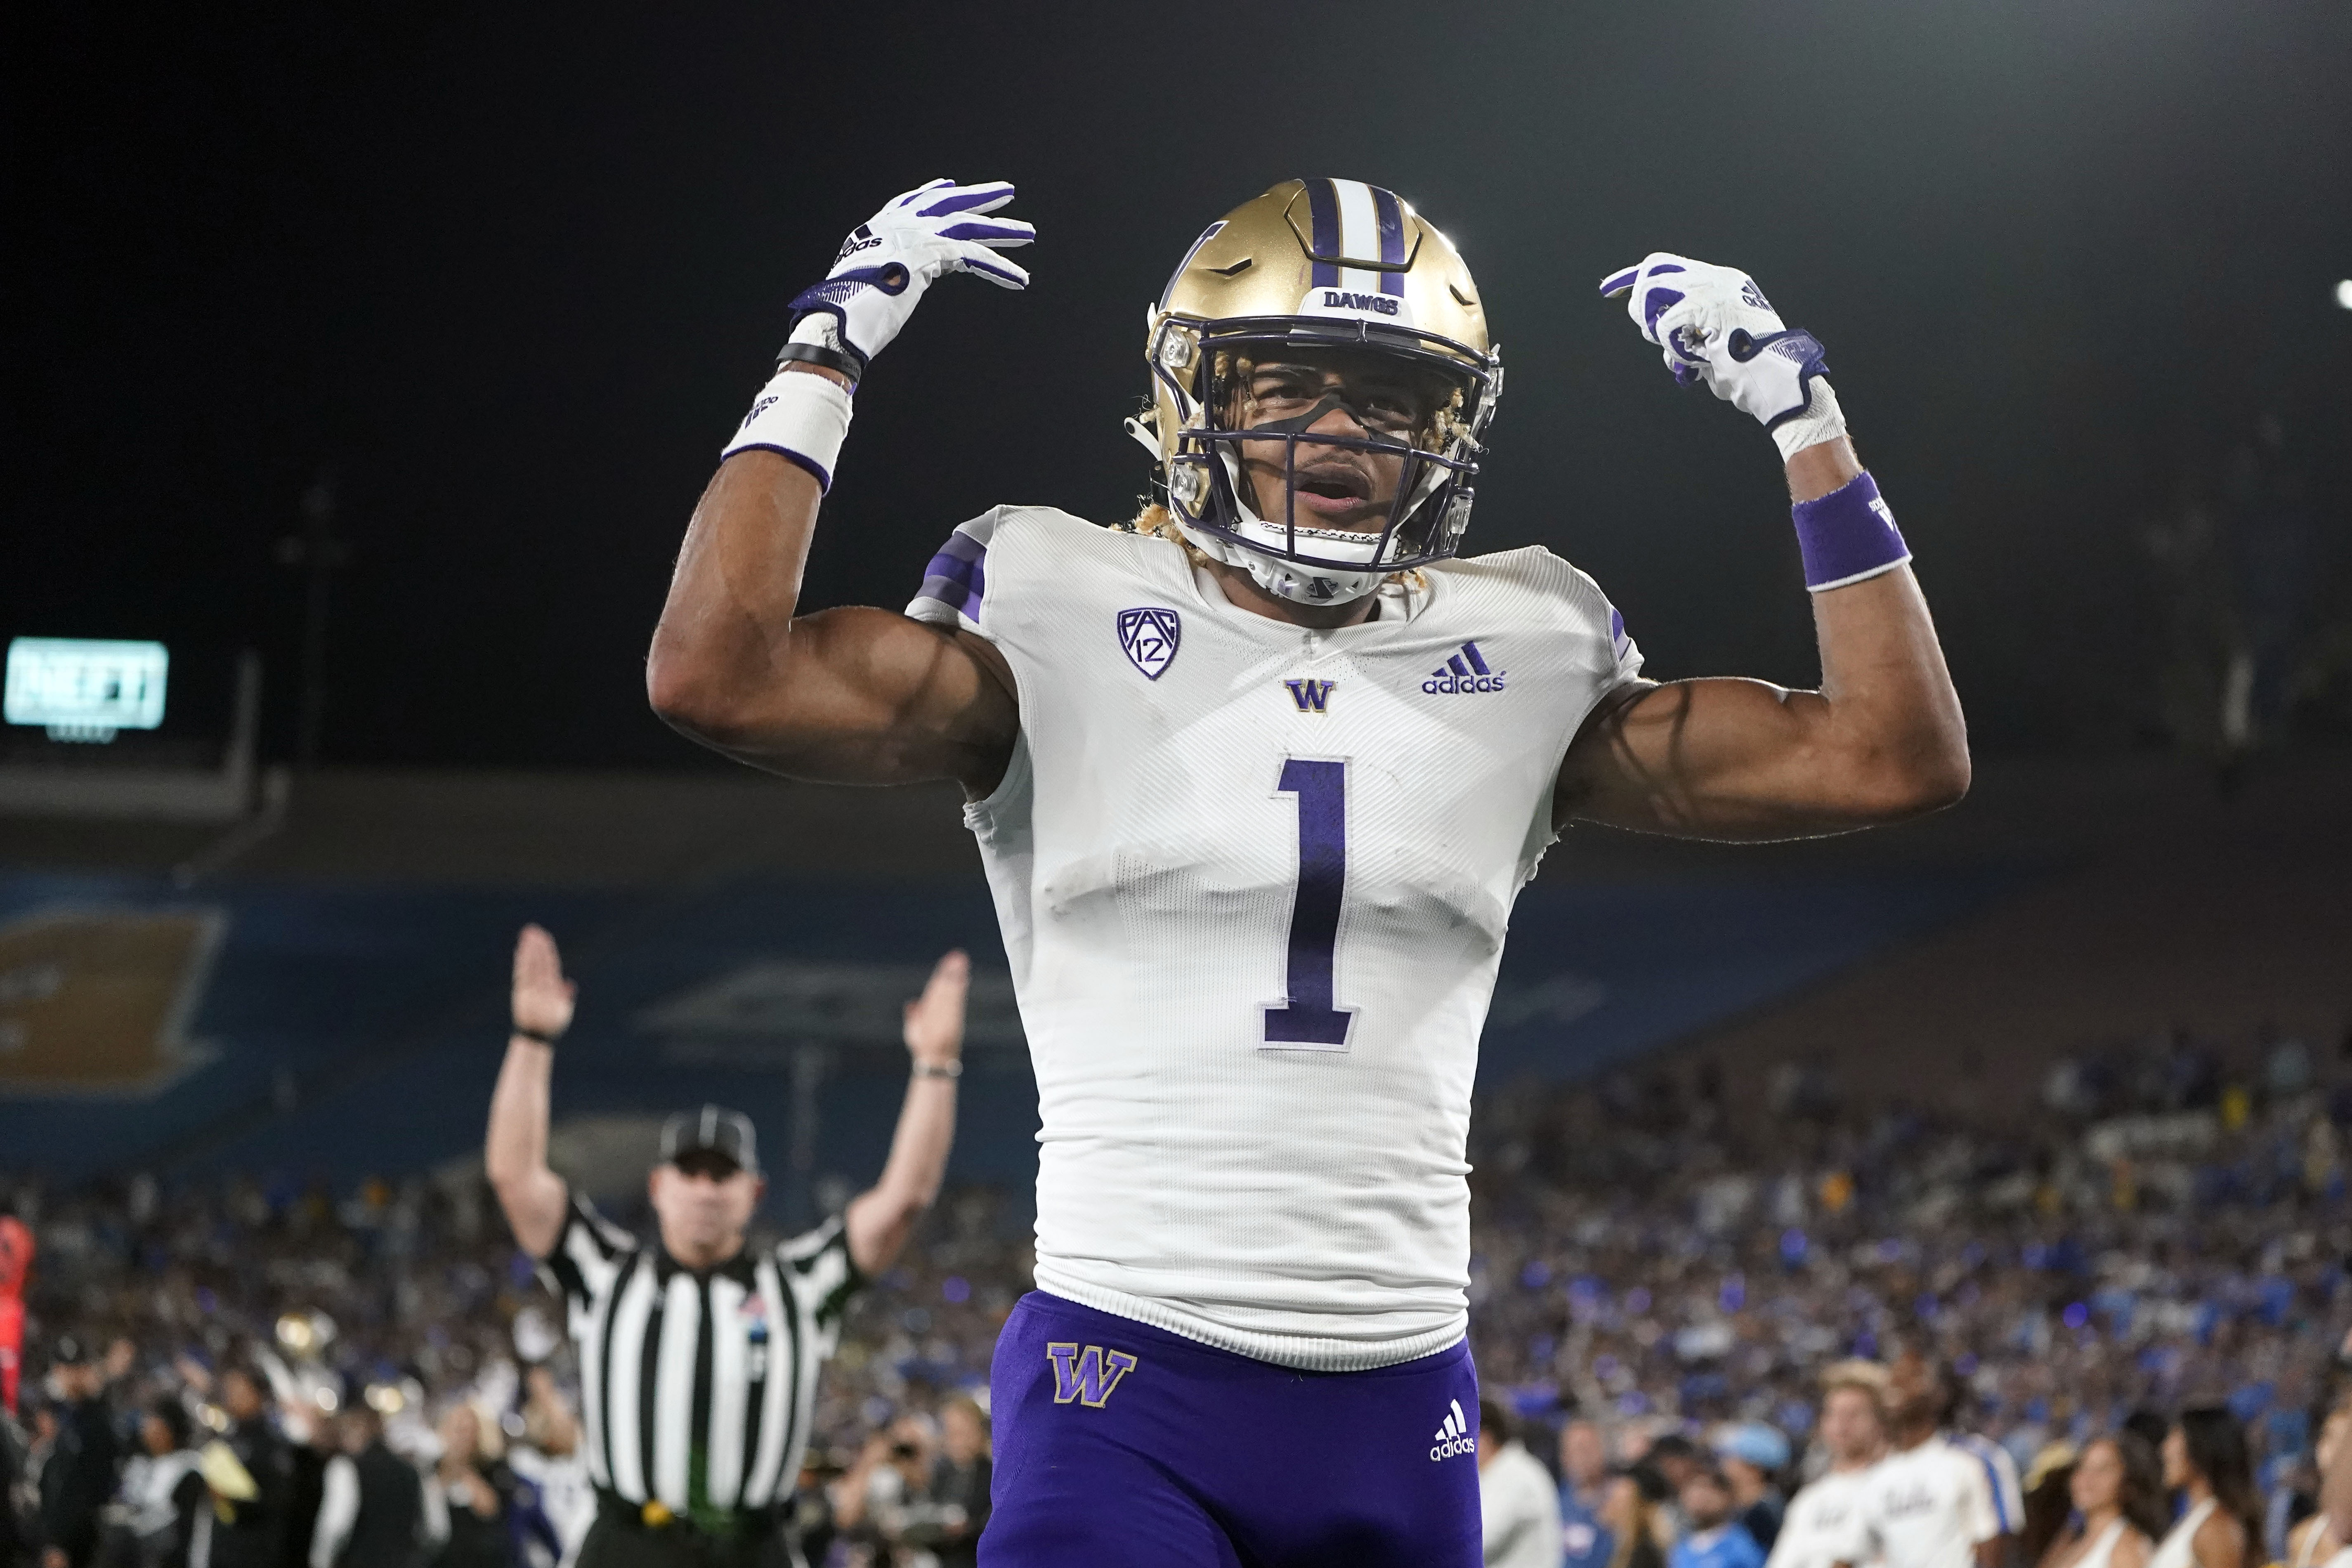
(1466, 672)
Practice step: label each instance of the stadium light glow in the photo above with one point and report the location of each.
(2344, 294)
(86, 690)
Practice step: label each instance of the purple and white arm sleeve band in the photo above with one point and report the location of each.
(1847, 535)
(801, 417)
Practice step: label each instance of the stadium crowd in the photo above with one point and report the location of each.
(1659, 1287)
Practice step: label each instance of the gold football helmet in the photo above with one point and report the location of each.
(1319, 264)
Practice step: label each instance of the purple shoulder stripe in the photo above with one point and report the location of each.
(958, 575)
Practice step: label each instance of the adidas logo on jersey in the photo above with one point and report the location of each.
(1456, 1437)
(1466, 672)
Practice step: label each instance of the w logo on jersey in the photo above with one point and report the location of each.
(1310, 695)
(1089, 1376)
(1149, 636)
(1466, 672)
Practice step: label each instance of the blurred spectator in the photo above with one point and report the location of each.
(1519, 1506)
(2205, 1460)
(887, 1491)
(2314, 1540)
(810, 1523)
(555, 1500)
(2117, 1489)
(1926, 1503)
(14, 1505)
(466, 1498)
(78, 1474)
(16, 1261)
(1825, 1523)
(251, 1472)
(1753, 1455)
(163, 1488)
(1716, 1540)
(1635, 1515)
(2049, 1497)
(1676, 1459)
(1586, 1538)
(957, 1498)
(371, 1503)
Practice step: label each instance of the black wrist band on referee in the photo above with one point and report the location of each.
(847, 365)
(535, 1035)
(938, 1070)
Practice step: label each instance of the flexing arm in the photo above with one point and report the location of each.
(515, 1153)
(1883, 737)
(880, 1219)
(852, 695)
(846, 696)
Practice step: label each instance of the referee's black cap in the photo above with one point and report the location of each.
(713, 1130)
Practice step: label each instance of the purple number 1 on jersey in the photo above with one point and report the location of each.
(1310, 1020)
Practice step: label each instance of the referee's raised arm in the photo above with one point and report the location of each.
(882, 1217)
(515, 1153)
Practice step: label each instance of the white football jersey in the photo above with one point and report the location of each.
(1929, 1507)
(1253, 881)
(1825, 1523)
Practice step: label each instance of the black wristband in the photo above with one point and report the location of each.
(535, 1035)
(848, 364)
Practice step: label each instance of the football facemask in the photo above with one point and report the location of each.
(1319, 265)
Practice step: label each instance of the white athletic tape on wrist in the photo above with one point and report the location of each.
(801, 415)
(1822, 421)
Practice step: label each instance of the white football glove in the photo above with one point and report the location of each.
(888, 261)
(1714, 328)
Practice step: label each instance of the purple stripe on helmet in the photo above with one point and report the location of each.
(1390, 215)
(1323, 210)
(1470, 650)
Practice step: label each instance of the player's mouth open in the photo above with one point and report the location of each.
(1332, 491)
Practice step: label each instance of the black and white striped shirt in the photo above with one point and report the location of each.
(697, 1389)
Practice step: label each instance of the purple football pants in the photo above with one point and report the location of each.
(1123, 1446)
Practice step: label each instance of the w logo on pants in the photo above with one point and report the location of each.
(1087, 1375)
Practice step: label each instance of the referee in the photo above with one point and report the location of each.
(698, 1358)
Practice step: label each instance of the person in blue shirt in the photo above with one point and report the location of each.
(1586, 1540)
(1716, 1539)
(1753, 1456)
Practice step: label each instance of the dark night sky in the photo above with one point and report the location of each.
(514, 277)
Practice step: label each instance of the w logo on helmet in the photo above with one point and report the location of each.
(1089, 1376)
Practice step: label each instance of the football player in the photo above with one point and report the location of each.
(1256, 777)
